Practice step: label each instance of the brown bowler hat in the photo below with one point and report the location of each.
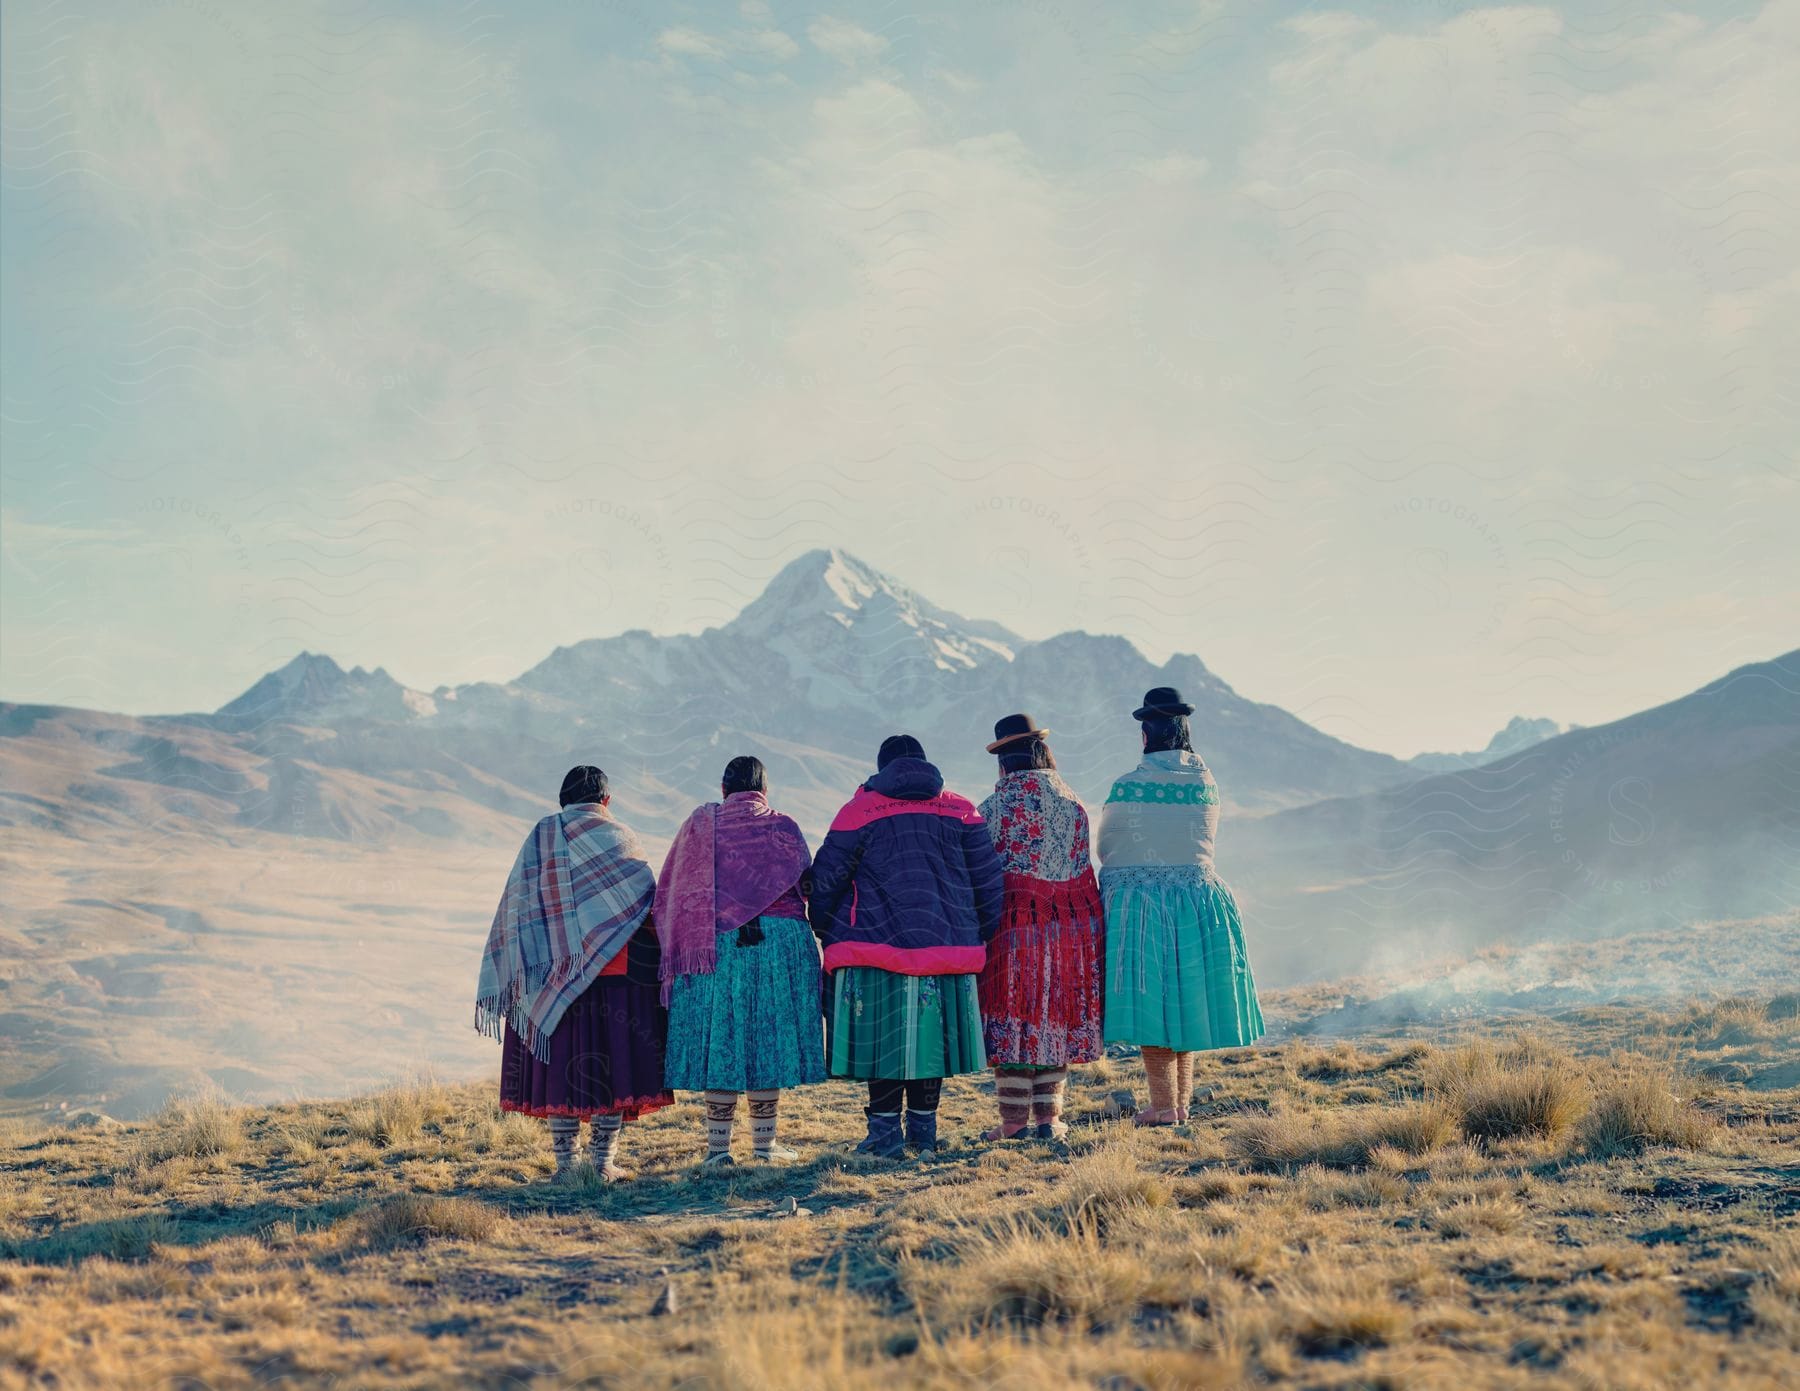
(1011, 729)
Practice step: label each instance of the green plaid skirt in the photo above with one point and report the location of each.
(884, 1025)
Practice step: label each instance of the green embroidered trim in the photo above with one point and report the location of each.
(1185, 794)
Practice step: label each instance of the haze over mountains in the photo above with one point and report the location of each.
(1520, 734)
(832, 657)
(1687, 811)
(289, 895)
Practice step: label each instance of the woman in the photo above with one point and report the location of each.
(1042, 990)
(906, 890)
(740, 967)
(570, 978)
(1177, 977)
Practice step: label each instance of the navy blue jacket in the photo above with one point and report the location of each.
(907, 879)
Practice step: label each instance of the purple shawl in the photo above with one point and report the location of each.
(729, 861)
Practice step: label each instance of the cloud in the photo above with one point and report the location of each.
(1172, 168)
(848, 43)
(688, 42)
(1218, 329)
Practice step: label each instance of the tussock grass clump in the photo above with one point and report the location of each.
(1110, 1181)
(136, 1239)
(415, 1217)
(1479, 1216)
(1289, 1140)
(1738, 1023)
(1523, 1089)
(194, 1127)
(1641, 1109)
(1346, 1060)
(1332, 1317)
(1021, 1275)
(398, 1115)
(1775, 1302)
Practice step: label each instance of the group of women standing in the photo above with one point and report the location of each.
(954, 938)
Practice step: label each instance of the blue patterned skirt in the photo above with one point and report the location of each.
(754, 1022)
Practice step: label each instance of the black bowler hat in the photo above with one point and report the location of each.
(1162, 702)
(1011, 729)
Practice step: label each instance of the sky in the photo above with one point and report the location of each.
(1416, 365)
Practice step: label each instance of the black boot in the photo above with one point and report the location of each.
(921, 1131)
(883, 1140)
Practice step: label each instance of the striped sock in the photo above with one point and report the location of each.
(721, 1114)
(1047, 1094)
(563, 1130)
(1013, 1088)
(603, 1140)
(763, 1105)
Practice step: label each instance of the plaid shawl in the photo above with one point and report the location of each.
(578, 891)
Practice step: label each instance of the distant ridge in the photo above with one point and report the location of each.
(1520, 734)
(1687, 811)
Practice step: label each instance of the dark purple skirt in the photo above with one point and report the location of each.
(606, 1053)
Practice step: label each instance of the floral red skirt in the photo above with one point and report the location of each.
(606, 1052)
(1043, 990)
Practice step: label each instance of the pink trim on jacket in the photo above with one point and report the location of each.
(866, 806)
(907, 961)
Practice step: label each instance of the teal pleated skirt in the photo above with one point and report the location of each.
(890, 1026)
(1177, 974)
(754, 1022)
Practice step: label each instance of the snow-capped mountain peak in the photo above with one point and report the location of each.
(837, 620)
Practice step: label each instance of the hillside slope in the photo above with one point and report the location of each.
(1686, 811)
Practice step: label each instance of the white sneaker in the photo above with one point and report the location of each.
(777, 1153)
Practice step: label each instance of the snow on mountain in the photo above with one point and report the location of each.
(831, 657)
(1520, 734)
(834, 655)
(846, 630)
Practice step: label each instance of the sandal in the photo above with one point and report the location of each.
(1162, 1115)
(1000, 1132)
(1053, 1130)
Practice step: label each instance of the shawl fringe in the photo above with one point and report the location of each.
(496, 1012)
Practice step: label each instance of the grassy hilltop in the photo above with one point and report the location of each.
(1603, 1195)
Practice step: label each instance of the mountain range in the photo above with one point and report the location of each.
(810, 676)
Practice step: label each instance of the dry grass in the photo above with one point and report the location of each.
(1025, 1274)
(1346, 1060)
(413, 1217)
(1641, 1108)
(1335, 1316)
(203, 1126)
(1351, 1236)
(1524, 1088)
(398, 1115)
(1287, 1140)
